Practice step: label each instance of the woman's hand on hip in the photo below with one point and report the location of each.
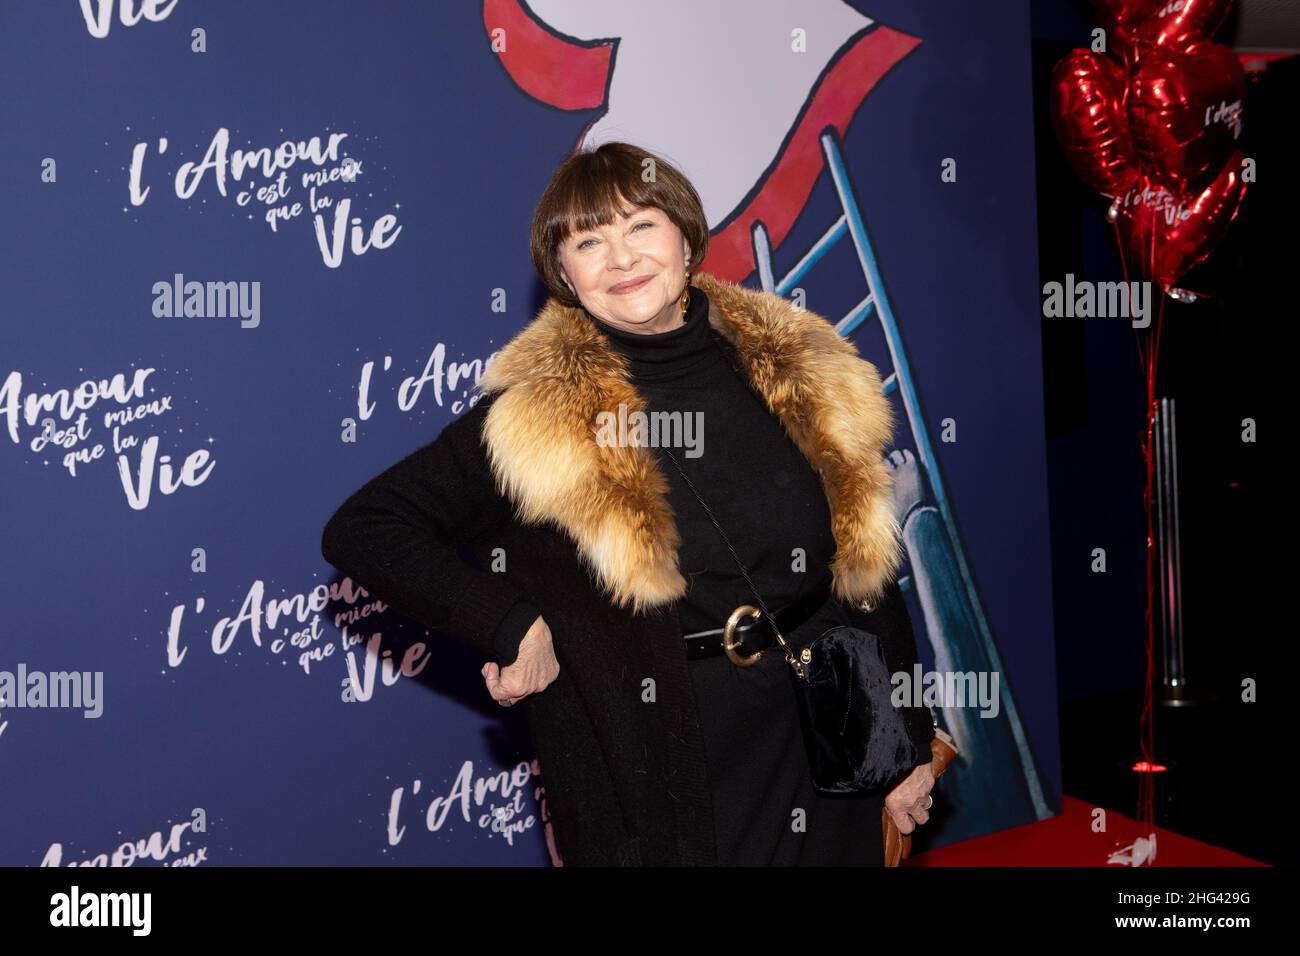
(911, 799)
(532, 671)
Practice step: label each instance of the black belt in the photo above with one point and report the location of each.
(757, 635)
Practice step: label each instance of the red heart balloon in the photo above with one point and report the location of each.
(1124, 11)
(1121, 18)
(1087, 107)
(1184, 110)
(1179, 23)
(1167, 233)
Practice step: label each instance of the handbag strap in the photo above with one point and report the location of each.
(740, 564)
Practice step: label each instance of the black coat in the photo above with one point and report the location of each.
(616, 734)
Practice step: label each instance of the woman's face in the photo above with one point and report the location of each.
(630, 273)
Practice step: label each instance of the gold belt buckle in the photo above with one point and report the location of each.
(729, 642)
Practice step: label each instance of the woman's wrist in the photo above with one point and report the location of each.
(512, 630)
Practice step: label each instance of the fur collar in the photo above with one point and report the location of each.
(559, 372)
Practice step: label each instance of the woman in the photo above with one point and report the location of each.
(609, 583)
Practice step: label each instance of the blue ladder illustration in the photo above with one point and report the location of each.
(876, 305)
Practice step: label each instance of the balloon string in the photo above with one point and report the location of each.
(1148, 361)
(1147, 803)
(1128, 293)
(1146, 731)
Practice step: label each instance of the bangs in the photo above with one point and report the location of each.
(598, 202)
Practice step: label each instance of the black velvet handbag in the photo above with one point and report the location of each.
(857, 740)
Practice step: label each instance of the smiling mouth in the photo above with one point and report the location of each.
(630, 286)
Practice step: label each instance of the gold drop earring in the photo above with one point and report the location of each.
(686, 295)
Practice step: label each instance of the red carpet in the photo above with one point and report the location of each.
(1068, 840)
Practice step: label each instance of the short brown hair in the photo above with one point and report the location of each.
(588, 189)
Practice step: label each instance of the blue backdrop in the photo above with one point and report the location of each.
(167, 473)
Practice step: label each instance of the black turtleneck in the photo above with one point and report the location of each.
(767, 497)
(770, 502)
